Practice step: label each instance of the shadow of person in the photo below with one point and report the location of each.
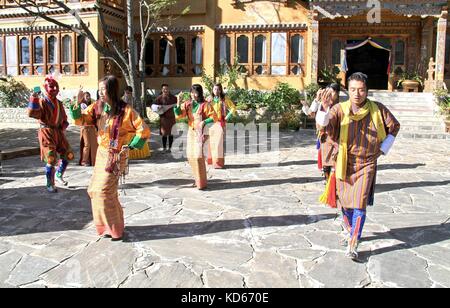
(158, 232)
(216, 185)
(411, 237)
(30, 210)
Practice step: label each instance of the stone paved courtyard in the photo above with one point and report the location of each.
(255, 226)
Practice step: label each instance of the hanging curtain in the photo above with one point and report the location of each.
(165, 70)
(11, 56)
(301, 49)
(197, 56)
(264, 51)
(279, 53)
(223, 49)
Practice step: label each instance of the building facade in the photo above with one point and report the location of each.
(274, 41)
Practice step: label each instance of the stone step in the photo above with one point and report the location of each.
(423, 135)
(419, 119)
(397, 104)
(420, 124)
(403, 112)
(423, 128)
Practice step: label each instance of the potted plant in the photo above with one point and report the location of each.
(410, 80)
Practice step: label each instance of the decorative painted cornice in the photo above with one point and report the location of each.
(179, 29)
(88, 9)
(237, 3)
(334, 8)
(355, 25)
(39, 29)
(253, 27)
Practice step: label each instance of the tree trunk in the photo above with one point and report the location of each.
(138, 103)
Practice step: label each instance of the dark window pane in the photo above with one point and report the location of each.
(400, 53)
(52, 50)
(150, 52)
(38, 50)
(180, 46)
(24, 51)
(242, 49)
(297, 49)
(67, 49)
(1, 51)
(81, 49)
(336, 52)
(260, 49)
(225, 49)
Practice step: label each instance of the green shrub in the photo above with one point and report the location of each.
(13, 93)
(248, 99)
(290, 120)
(282, 98)
(443, 100)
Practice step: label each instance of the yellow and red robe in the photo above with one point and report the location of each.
(222, 111)
(106, 208)
(195, 113)
(53, 123)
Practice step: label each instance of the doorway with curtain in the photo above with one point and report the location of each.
(370, 58)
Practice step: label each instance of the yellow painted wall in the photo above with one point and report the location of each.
(71, 82)
(222, 12)
(261, 12)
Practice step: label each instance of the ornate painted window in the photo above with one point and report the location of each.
(176, 55)
(265, 53)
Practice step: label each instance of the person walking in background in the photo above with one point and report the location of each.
(164, 107)
(88, 135)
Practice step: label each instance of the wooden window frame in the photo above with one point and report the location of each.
(188, 67)
(251, 66)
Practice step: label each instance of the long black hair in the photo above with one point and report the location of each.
(112, 89)
(199, 90)
(335, 86)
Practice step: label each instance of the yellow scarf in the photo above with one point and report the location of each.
(377, 119)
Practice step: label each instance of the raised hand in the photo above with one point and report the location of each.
(319, 95)
(327, 99)
(80, 95)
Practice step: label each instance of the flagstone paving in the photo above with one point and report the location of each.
(257, 225)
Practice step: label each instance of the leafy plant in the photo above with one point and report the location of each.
(13, 93)
(207, 81)
(311, 91)
(410, 75)
(290, 120)
(330, 74)
(248, 99)
(281, 99)
(443, 100)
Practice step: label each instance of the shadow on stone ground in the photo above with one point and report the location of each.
(412, 237)
(33, 210)
(157, 232)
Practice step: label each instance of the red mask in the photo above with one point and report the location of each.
(51, 87)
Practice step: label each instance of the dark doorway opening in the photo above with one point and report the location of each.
(371, 61)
